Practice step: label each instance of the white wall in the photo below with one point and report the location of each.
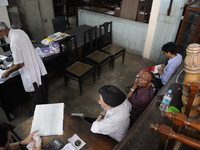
(126, 33)
(4, 17)
(166, 28)
(132, 35)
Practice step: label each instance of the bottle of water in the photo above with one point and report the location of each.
(165, 102)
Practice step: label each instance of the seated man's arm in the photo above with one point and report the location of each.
(167, 75)
(134, 87)
(26, 141)
(104, 126)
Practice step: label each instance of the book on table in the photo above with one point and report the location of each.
(48, 119)
(58, 36)
(46, 41)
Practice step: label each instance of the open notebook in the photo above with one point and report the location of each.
(48, 119)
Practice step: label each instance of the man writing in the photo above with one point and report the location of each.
(5, 138)
(114, 120)
(141, 94)
(175, 59)
(27, 61)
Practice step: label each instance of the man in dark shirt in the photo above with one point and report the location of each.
(141, 94)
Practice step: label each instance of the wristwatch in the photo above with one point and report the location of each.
(132, 89)
(101, 115)
(20, 144)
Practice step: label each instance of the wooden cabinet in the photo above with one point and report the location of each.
(188, 32)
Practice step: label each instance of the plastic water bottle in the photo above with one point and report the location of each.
(165, 102)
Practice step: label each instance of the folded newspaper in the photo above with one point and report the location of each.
(57, 36)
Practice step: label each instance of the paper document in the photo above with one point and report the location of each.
(76, 143)
(69, 146)
(58, 36)
(3, 3)
(2, 80)
(48, 119)
(2, 57)
(153, 69)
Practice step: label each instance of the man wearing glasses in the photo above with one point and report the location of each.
(141, 94)
(175, 59)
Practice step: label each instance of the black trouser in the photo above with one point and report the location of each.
(90, 120)
(39, 96)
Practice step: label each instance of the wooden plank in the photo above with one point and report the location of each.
(129, 9)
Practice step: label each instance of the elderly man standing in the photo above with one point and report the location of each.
(114, 120)
(141, 94)
(27, 61)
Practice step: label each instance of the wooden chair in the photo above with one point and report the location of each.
(74, 69)
(107, 45)
(5, 46)
(60, 24)
(92, 55)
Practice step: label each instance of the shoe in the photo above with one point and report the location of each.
(30, 114)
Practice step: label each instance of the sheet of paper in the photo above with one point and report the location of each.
(48, 119)
(74, 138)
(1, 72)
(49, 127)
(49, 111)
(2, 80)
(2, 57)
(68, 146)
(156, 68)
(3, 3)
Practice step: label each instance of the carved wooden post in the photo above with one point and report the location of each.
(192, 74)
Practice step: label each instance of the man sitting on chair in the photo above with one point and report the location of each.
(114, 120)
(5, 138)
(141, 94)
(175, 59)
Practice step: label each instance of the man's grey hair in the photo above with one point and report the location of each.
(3, 26)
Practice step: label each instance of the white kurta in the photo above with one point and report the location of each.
(115, 123)
(24, 52)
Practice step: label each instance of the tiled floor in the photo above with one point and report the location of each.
(122, 75)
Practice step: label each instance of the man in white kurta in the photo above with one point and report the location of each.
(114, 120)
(27, 61)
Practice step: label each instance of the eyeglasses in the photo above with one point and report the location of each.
(143, 78)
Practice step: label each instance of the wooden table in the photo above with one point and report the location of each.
(72, 125)
(13, 90)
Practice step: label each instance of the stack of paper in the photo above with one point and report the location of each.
(48, 119)
(46, 41)
(2, 57)
(57, 36)
(2, 80)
